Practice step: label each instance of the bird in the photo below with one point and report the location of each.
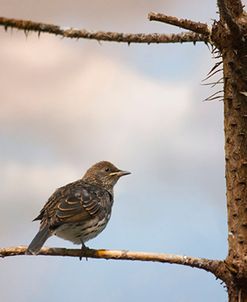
(80, 210)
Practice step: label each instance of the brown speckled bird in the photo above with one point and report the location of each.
(80, 210)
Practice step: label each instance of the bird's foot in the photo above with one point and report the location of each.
(83, 249)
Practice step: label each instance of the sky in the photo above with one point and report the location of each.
(66, 105)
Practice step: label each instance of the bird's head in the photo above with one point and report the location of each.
(104, 174)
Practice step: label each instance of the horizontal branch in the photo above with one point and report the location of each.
(200, 263)
(197, 27)
(29, 26)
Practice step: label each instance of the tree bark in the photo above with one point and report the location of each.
(230, 35)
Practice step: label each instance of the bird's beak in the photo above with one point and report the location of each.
(120, 173)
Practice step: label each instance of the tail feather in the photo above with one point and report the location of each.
(38, 241)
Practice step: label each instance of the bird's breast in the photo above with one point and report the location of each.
(82, 231)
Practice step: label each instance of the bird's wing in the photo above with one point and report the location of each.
(74, 202)
(78, 206)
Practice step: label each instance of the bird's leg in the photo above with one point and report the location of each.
(83, 248)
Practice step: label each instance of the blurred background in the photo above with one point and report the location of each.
(66, 104)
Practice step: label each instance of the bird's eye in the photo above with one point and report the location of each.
(107, 169)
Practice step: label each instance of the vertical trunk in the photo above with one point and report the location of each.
(236, 295)
(230, 35)
(235, 122)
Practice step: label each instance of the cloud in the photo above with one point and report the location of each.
(95, 15)
(99, 103)
(56, 121)
(78, 107)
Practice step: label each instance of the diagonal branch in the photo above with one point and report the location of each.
(197, 27)
(39, 27)
(208, 265)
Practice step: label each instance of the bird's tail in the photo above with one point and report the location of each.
(38, 241)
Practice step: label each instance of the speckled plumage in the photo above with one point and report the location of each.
(80, 210)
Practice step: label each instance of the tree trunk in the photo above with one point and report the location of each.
(235, 123)
(229, 35)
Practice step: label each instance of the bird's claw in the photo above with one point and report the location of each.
(83, 249)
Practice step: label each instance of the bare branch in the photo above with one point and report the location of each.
(200, 263)
(197, 27)
(39, 27)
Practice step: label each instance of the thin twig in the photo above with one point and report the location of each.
(212, 74)
(213, 84)
(29, 26)
(197, 27)
(215, 96)
(216, 65)
(200, 263)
